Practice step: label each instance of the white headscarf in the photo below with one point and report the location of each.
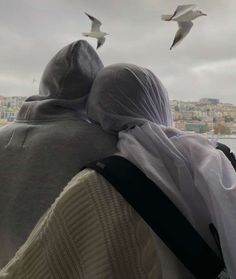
(125, 95)
(198, 178)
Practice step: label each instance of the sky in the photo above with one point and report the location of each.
(202, 66)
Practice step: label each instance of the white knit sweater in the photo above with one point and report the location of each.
(89, 232)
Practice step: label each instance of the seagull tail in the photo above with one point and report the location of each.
(166, 17)
(85, 34)
(173, 45)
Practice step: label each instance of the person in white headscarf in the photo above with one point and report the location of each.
(199, 179)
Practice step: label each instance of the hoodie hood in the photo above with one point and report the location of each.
(65, 84)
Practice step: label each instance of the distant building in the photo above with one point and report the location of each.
(180, 124)
(209, 101)
(233, 129)
(9, 107)
(187, 115)
(197, 127)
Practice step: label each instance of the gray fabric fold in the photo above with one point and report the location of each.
(48, 144)
(65, 84)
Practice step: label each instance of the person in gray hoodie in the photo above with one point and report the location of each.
(48, 143)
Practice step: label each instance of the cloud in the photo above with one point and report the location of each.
(203, 65)
(222, 66)
(212, 79)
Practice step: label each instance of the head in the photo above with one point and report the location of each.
(200, 13)
(70, 73)
(125, 95)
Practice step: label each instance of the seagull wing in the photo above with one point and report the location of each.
(184, 28)
(181, 10)
(95, 23)
(101, 41)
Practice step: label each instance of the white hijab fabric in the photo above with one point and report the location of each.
(124, 95)
(198, 178)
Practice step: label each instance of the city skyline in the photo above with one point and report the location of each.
(171, 100)
(202, 115)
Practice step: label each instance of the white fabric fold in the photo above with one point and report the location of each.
(198, 178)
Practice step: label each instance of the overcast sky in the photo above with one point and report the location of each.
(203, 65)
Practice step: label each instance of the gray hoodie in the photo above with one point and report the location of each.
(47, 144)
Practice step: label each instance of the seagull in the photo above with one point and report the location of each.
(184, 15)
(95, 31)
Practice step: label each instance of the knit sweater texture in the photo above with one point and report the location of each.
(90, 232)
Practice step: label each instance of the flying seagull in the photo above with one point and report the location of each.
(95, 31)
(184, 15)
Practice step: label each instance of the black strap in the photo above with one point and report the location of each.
(228, 153)
(161, 214)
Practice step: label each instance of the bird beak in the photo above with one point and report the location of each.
(204, 14)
